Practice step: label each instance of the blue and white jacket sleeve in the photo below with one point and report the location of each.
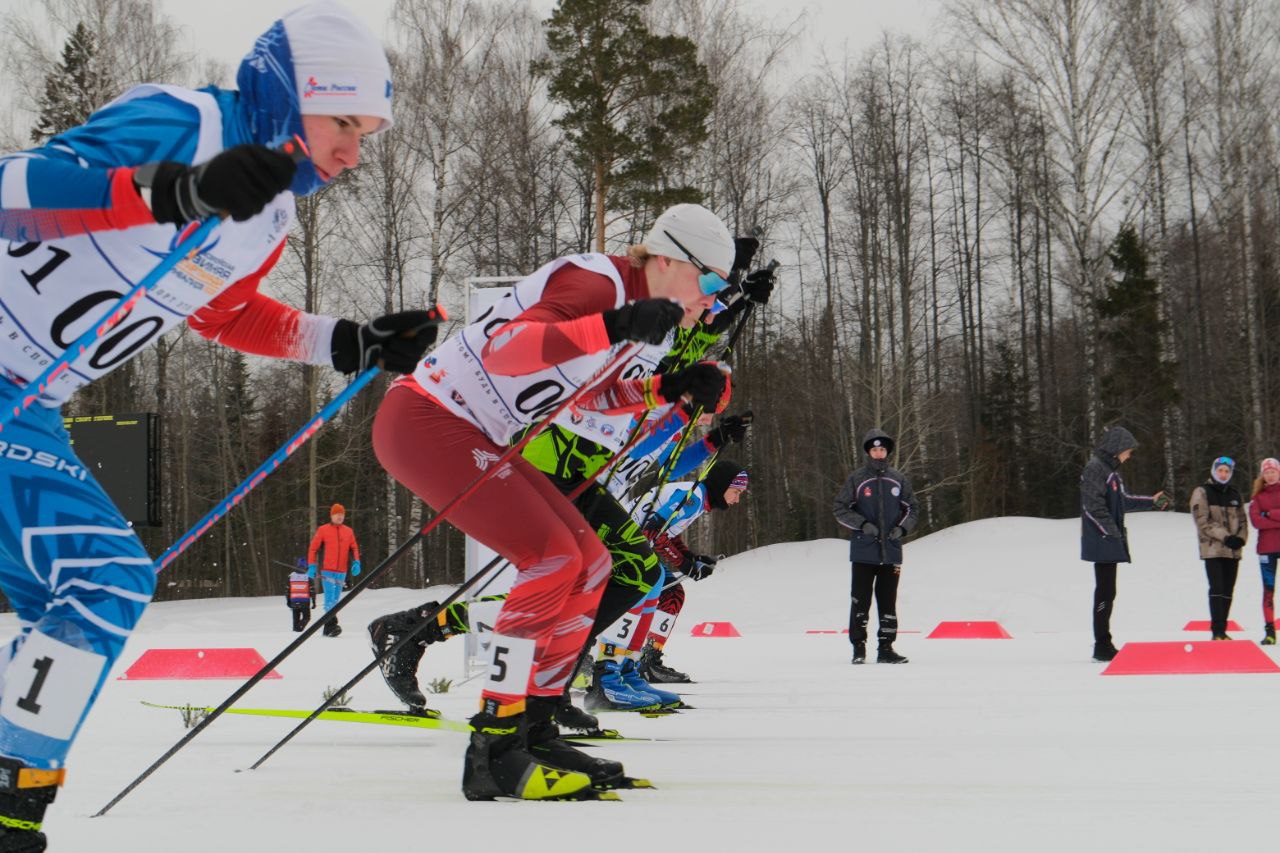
(82, 180)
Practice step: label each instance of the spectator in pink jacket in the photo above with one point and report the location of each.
(1264, 513)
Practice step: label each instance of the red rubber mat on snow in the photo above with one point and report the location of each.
(1203, 625)
(196, 664)
(969, 631)
(1200, 658)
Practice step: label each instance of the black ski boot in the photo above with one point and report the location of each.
(653, 670)
(571, 716)
(400, 669)
(1104, 652)
(859, 652)
(886, 654)
(498, 764)
(1269, 639)
(331, 628)
(24, 795)
(545, 744)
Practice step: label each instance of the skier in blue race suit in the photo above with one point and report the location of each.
(86, 216)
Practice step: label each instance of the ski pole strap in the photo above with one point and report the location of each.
(107, 322)
(272, 462)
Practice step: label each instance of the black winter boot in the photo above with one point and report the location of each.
(653, 670)
(886, 654)
(859, 652)
(570, 716)
(400, 670)
(1104, 652)
(498, 764)
(546, 745)
(25, 793)
(331, 628)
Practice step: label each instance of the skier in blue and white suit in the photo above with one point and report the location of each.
(89, 214)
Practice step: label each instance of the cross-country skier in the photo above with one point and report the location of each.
(512, 366)
(664, 514)
(338, 542)
(1264, 513)
(140, 172)
(878, 506)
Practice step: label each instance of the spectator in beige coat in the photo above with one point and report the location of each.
(1223, 529)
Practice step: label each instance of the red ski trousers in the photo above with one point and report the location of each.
(561, 565)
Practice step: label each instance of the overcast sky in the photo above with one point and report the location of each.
(224, 29)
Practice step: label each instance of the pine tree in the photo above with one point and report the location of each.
(635, 101)
(1136, 384)
(74, 89)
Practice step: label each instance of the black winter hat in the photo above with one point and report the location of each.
(719, 479)
(877, 437)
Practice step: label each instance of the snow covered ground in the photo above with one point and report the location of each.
(975, 745)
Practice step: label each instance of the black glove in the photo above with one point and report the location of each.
(394, 342)
(733, 428)
(1235, 543)
(869, 529)
(701, 566)
(759, 285)
(647, 320)
(703, 382)
(239, 182)
(897, 533)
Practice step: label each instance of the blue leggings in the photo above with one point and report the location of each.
(77, 577)
(332, 584)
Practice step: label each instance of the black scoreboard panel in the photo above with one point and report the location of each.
(123, 454)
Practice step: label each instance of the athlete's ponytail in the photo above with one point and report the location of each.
(639, 255)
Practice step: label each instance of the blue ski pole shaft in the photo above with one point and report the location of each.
(273, 462)
(108, 321)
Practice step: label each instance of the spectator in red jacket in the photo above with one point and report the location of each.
(1264, 512)
(338, 541)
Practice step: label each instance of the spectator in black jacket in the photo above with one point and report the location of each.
(1103, 538)
(879, 508)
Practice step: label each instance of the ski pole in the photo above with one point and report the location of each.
(188, 245)
(622, 357)
(733, 339)
(409, 637)
(274, 461)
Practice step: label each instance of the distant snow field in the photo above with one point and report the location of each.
(980, 745)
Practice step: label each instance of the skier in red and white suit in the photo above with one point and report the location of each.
(438, 430)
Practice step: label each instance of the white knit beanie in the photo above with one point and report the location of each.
(698, 230)
(340, 66)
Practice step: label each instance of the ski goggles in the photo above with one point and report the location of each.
(1224, 460)
(709, 281)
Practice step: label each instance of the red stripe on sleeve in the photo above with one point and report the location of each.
(244, 319)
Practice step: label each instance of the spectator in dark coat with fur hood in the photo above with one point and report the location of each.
(1103, 538)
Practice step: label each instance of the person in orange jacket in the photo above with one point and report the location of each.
(338, 541)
